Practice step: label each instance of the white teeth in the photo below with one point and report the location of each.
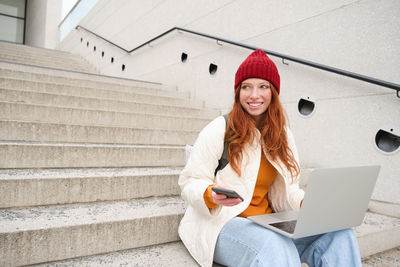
(255, 104)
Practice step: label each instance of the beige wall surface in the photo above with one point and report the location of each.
(42, 21)
(361, 36)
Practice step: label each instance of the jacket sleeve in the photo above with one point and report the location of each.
(198, 173)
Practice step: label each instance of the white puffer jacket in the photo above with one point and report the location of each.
(200, 226)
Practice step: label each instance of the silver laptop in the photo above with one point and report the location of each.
(336, 198)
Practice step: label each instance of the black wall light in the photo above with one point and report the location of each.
(306, 106)
(212, 69)
(387, 139)
(184, 57)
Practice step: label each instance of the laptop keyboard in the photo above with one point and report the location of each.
(287, 226)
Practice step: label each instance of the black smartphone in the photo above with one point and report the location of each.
(227, 192)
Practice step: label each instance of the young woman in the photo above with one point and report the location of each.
(264, 169)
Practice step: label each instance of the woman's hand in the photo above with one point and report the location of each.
(223, 200)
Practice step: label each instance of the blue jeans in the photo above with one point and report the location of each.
(244, 243)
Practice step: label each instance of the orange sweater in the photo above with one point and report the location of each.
(259, 203)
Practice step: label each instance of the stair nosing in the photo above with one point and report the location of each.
(79, 173)
(173, 206)
(78, 72)
(101, 126)
(181, 97)
(102, 99)
(120, 112)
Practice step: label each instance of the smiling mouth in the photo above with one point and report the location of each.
(255, 104)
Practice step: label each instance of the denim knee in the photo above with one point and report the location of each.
(339, 248)
(244, 243)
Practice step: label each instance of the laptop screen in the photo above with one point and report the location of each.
(287, 226)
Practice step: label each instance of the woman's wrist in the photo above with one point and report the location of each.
(208, 199)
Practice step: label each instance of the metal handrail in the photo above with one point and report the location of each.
(353, 75)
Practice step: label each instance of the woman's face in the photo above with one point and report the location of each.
(255, 97)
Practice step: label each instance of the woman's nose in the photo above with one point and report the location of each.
(254, 93)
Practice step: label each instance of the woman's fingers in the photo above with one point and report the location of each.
(231, 202)
(218, 196)
(223, 200)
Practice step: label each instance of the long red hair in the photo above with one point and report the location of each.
(241, 130)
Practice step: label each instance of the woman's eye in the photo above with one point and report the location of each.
(264, 86)
(244, 87)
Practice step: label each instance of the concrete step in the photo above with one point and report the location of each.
(49, 64)
(78, 116)
(14, 71)
(378, 233)
(174, 254)
(39, 53)
(385, 208)
(85, 81)
(35, 73)
(23, 66)
(24, 49)
(64, 155)
(70, 60)
(50, 233)
(27, 188)
(43, 57)
(389, 258)
(129, 94)
(69, 133)
(68, 101)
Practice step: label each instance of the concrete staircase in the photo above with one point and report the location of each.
(89, 166)
(43, 57)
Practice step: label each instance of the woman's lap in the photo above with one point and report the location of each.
(244, 243)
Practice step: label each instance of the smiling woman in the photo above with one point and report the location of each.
(263, 169)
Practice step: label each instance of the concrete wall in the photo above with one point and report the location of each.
(42, 21)
(361, 36)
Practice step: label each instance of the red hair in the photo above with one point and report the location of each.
(241, 130)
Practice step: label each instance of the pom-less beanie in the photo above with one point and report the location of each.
(258, 65)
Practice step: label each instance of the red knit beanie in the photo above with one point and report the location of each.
(258, 65)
